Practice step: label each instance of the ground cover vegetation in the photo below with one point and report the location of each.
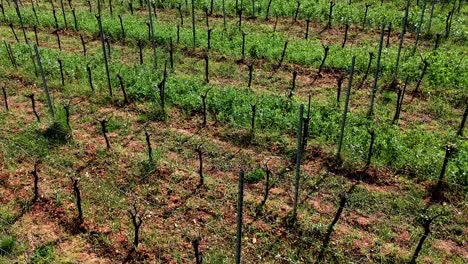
(233, 131)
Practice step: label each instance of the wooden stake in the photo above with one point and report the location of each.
(63, 13)
(345, 111)
(5, 99)
(240, 204)
(44, 82)
(61, 71)
(298, 161)
(462, 124)
(90, 78)
(377, 71)
(104, 54)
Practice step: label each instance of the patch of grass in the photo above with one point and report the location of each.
(7, 245)
(388, 97)
(216, 257)
(409, 148)
(24, 143)
(155, 112)
(6, 217)
(58, 197)
(115, 124)
(255, 176)
(146, 168)
(439, 107)
(44, 254)
(57, 133)
(385, 233)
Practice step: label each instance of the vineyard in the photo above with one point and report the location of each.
(233, 131)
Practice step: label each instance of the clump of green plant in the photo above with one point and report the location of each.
(255, 176)
(43, 254)
(155, 113)
(7, 217)
(7, 244)
(57, 132)
(255, 52)
(145, 169)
